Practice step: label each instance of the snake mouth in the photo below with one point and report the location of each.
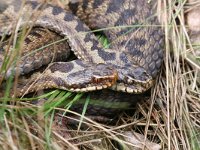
(133, 88)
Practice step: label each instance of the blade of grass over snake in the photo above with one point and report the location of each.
(70, 102)
(83, 112)
(55, 100)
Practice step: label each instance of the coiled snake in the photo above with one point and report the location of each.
(130, 64)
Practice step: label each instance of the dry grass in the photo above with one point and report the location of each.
(170, 118)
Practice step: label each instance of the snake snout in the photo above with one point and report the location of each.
(133, 75)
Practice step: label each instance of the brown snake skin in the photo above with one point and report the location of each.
(130, 64)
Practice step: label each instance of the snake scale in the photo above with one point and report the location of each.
(129, 65)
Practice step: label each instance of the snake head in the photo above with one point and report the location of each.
(133, 79)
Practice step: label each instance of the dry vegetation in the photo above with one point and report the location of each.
(170, 119)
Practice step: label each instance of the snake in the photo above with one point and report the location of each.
(129, 65)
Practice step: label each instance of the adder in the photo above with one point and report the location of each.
(130, 64)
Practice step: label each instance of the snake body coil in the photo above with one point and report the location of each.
(130, 64)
